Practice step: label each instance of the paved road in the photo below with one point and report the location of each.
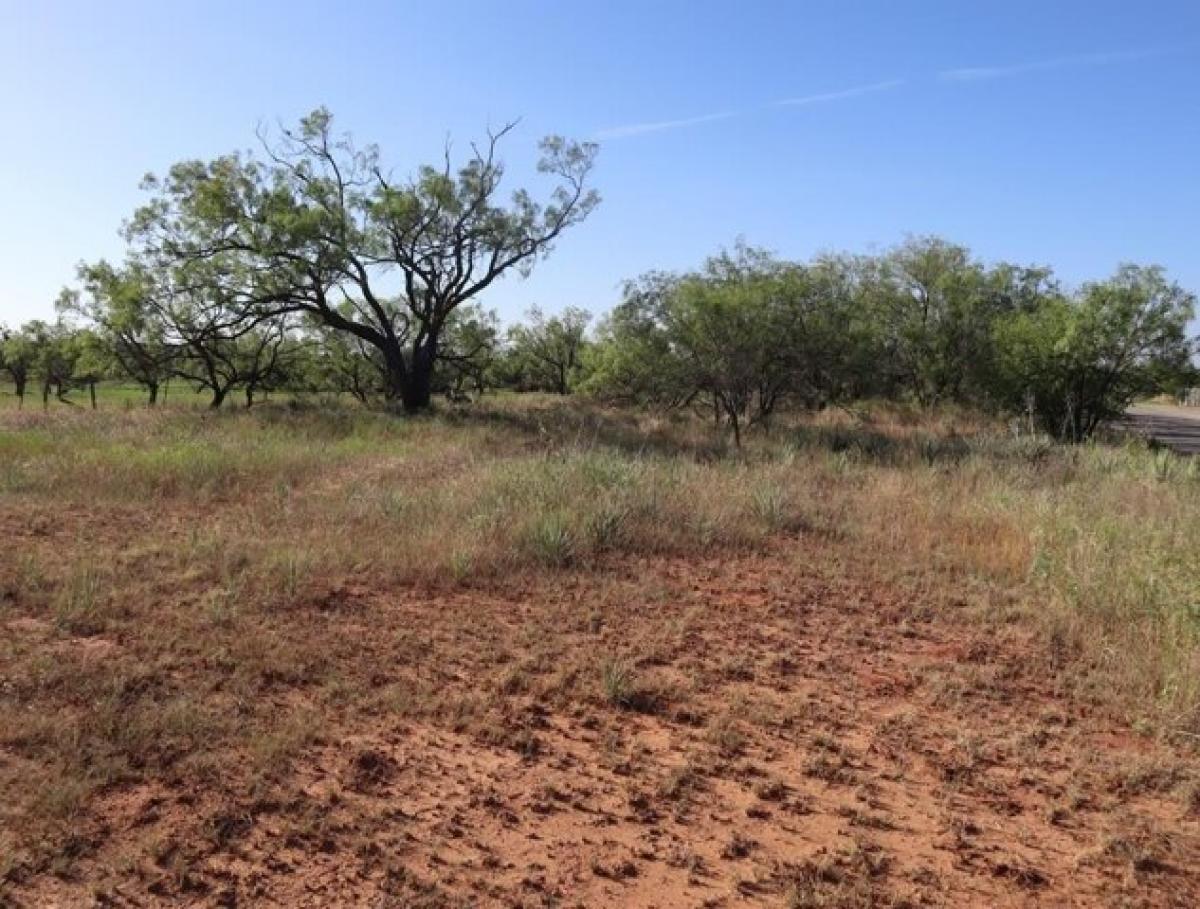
(1175, 427)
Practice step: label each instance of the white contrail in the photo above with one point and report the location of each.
(825, 97)
(973, 73)
(638, 129)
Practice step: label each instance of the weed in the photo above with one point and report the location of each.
(726, 735)
(461, 565)
(738, 846)
(769, 503)
(617, 681)
(605, 527)
(550, 540)
(79, 608)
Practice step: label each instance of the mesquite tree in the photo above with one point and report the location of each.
(18, 354)
(122, 304)
(549, 350)
(739, 337)
(1078, 360)
(320, 227)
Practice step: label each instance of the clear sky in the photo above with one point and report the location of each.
(1062, 132)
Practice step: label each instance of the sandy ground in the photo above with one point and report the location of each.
(791, 733)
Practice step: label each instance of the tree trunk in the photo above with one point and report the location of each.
(411, 383)
(46, 395)
(20, 383)
(395, 376)
(249, 396)
(417, 389)
(92, 393)
(218, 397)
(153, 387)
(417, 386)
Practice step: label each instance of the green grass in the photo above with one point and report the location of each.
(118, 395)
(110, 395)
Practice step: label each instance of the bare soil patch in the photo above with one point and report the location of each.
(763, 729)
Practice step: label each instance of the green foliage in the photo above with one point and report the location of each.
(469, 346)
(307, 267)
(343, 363)
(924, 321)
(131, 335)
(547, 354)
(269, 273)
(18, 356)
(738, 338)
(931, 302)
(55, 355)
(633, 360)
(319, 229)
(1074, 362)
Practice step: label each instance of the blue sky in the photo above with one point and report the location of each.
(1062, 133)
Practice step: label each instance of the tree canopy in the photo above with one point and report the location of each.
(924, 321)
(319, 227)
(1075, 361)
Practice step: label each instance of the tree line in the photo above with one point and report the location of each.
(95, 341)
(308, 267)
(925, 322)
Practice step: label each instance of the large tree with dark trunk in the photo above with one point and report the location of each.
(316, 225)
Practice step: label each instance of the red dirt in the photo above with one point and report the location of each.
(798, 736)
(800, 741)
